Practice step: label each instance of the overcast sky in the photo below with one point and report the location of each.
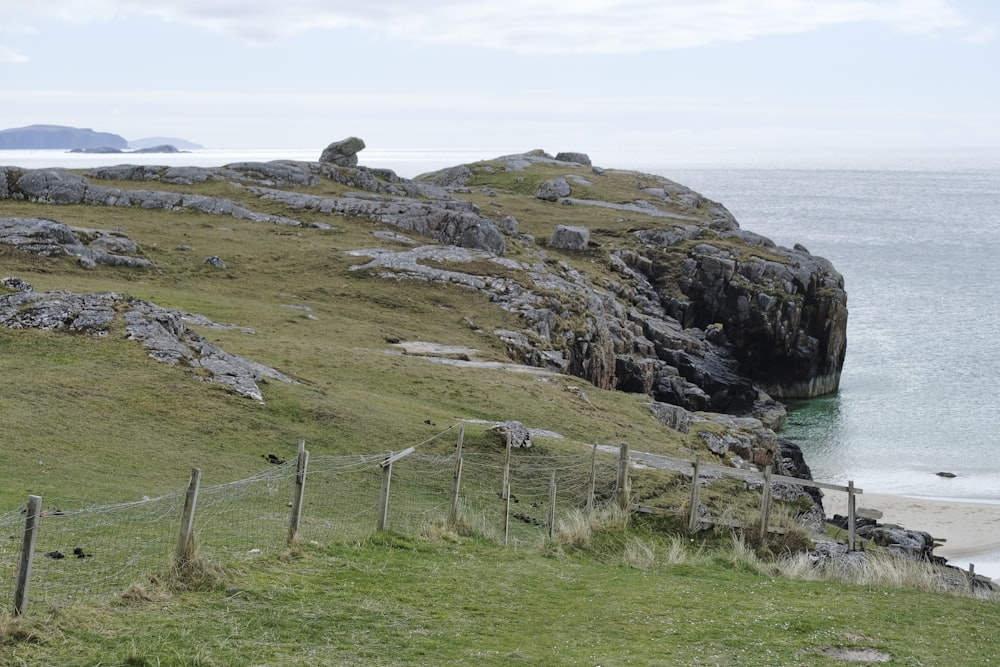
(627, 80)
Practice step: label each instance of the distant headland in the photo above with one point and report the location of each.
(86, 140)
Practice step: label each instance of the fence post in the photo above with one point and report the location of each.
(185, 541)
(300, 490)
(33, 517)
(972, 577)
(624, 490)
(383, 502)
(505, 487)
(456, 481)
(593, 481)
(850, 516)
(765, 504)
(695, 495)
(550, 521)
(506, 513)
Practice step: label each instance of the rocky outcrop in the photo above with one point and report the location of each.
(163, 332)
(453, 222)
(42, 236)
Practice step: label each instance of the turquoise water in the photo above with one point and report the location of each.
(918, 248)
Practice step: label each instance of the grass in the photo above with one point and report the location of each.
(91, 421)
(401, 600)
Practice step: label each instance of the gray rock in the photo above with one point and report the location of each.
(578, 158)
(450, 178)
(672, 416)
(567, 237)
(343, 153)
(16, 284)
(162, 332)
(215, 261)
(516, 431)
(49, 238)
(448, 222)
(553, 189)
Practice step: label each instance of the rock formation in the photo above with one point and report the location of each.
(162, 331)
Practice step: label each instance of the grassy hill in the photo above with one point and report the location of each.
(92, 420)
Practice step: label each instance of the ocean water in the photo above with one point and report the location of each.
(918, 248)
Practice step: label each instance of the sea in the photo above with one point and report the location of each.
(916, 235)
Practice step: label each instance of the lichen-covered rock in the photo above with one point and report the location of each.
(49, 238)
(569, 237)
(553, 189)
(163, 332)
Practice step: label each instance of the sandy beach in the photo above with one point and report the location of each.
(970, 531)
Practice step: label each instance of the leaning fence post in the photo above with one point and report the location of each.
(33, 517)
(550, 521)
(695, 495)
(593, 481)
(300, 489)
(383, 503)
(850, 516)
(456, 481)
(185, 541)
(624, 490)
(765, 504)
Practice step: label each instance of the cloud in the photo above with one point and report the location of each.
(10, 56)
(529, 26)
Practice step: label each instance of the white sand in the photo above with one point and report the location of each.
(968, 529)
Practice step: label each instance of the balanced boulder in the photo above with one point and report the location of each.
(343, 153)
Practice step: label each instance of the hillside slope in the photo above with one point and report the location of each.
(328, 273)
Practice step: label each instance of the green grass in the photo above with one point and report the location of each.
(395, 600)
(90, 421)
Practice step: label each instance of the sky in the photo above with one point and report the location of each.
(635, 81)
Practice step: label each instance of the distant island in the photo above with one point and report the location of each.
(165, 148)
(86, 140)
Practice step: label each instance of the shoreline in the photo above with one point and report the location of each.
(970, 530)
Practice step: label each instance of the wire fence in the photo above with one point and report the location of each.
(69, 556)
(85, 554)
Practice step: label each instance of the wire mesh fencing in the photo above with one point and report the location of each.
(100, 551)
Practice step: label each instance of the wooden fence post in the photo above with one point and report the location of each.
(456, 481)
(505, 485)
(506, 514)
(695, 495)
(850, 516)
(972, 577)
(33, 517)
(765, 504)
(383, 501)
(300, 489)
(185, 541)
(550, 521)
(593, 481)
(624, 486)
